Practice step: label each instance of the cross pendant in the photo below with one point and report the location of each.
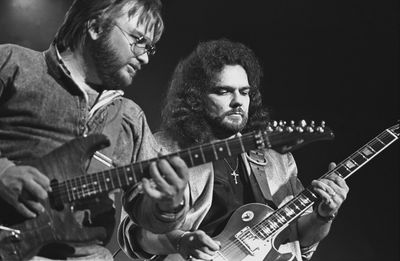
(235, 176)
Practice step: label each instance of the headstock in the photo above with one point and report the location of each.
(285, 136)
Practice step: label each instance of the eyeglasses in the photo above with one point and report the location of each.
(140, 45)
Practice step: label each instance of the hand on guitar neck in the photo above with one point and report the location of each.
(169, 180)
(332, 191)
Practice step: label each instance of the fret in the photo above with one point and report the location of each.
(359, 158)
(272, 224)
(215, 152)
(280, 218)
(125, 175)
(190, 156)
(266, 230)
(197, 158)
(262, 233)
(74, 188)
(78, 187)
(379, 140)
(387, 138)
(368, 151)
(221, 150)
(227, 147)
(310, 194)
(95, 183)
(241, 144)
(350, 164)
(105, 180)
(342, 170)
(69, 190)
(83, 187)
(202, 154)
(377, 146)
(141, 166)
(289, 212)
(98, 182)
(110, 178)
(116, 173)
(86, 184)
(133, 175)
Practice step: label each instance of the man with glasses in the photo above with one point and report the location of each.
(72, 90)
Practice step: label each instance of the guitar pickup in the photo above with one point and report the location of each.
(249, 240)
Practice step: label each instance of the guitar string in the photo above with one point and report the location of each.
(83, 193)
(243, 137)
(258, 228)
(80, 180)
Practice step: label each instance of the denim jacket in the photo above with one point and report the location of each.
(41, 108)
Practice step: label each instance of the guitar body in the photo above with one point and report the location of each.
(61, 222)
(251, 248)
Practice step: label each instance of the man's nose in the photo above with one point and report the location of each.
(143, 58)
(237, 100)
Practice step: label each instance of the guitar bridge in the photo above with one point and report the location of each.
(249, 240)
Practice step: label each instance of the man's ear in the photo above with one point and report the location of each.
(94, 29)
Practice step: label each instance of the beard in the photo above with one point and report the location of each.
(222, 127)
(107, 62)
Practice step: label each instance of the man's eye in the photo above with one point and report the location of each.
(245, 92)
(140, 40)
(221, 91)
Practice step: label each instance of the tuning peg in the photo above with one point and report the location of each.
(289, 129)
(279, 129)
(274, 124)
(312, 124)
(320, 129)
(292, 124)
(323, 124)
(299, 129)
(282, 123)
(302, 123)
(309, 129)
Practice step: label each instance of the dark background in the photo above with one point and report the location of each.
(335, 61)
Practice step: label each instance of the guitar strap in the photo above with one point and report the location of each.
(257, 164)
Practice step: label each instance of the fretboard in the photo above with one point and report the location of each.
(91, 185)
(307, 198)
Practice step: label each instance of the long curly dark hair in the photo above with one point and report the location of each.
(184, 111)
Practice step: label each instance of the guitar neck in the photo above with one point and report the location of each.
(91, 185)
(294, 208)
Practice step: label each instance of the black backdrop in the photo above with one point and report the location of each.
(322, 60)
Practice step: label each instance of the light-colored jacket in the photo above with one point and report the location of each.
(273, 177)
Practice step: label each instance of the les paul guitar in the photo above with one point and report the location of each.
(22, 238)
(252, 229)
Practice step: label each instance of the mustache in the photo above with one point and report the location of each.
(238, 110)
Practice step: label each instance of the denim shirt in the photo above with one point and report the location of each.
(41, 108)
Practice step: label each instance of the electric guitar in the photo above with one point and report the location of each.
(252, 229)
(22, 238)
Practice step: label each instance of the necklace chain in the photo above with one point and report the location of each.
(233, 173)
(229, 165)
